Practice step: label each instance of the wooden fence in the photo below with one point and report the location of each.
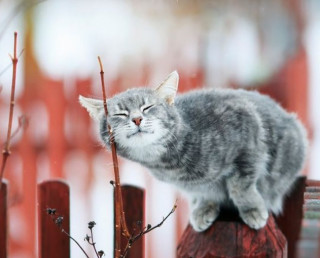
(54, 194)
(300, 224)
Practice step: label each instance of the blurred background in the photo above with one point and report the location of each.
(268, 45)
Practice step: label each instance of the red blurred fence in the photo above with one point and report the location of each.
(300, 224)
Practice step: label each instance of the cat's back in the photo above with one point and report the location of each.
(237, 112)
(203, 103)
(200, 103)
(208, 106)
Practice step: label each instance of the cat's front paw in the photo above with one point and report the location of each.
(203, 217)
(254, 217)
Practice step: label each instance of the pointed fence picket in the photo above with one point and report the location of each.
(53, 194)
(133, 205)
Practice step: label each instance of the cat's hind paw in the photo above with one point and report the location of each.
(203, 217)
(255, 218)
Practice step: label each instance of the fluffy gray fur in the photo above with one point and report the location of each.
(222, 147)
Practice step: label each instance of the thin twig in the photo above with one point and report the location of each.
(58, 220)
(125, 230)
(65, 232)
(22, 124)
(10, 64)
(146, 230)
(103, 87)
(93, 243)
(6, 150)
(120, 222)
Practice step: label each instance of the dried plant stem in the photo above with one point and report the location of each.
(6, 150)
(120, 221)
(93, 243)
(58, 220)
(23, 123)
(65, 232)
(146, 230)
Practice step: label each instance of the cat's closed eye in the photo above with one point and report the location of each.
(146, 108)
(121, 114)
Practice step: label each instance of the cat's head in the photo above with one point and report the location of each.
(138, 117)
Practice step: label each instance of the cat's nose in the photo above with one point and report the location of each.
(137, 120)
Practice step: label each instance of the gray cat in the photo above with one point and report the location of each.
(226, 147)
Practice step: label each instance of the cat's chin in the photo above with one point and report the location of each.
(139, 139)
(139, 133)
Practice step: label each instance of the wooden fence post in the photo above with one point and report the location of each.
(233, 239)
(133, 205)
(289, 221)
(52, 242)
(3, 219)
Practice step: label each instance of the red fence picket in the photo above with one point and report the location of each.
(3, 220)
(52, 242)
(133, 205)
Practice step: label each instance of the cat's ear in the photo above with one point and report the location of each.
(168, 88)
(93, 106)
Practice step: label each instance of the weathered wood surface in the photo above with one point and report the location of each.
(133, 205)
(52, 242)
(4, 220)
(289, 221)
(233, 239)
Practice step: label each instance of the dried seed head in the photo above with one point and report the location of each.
(51, 211)
(87, 238)
(59, 221)
(91, 224)
(100, 253)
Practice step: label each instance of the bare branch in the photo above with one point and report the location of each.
(9, 65)
(91, 225)
(65, 232)
(6, 150)
(58, 220)
(146, 230)
(23, 123)
(120, 221)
